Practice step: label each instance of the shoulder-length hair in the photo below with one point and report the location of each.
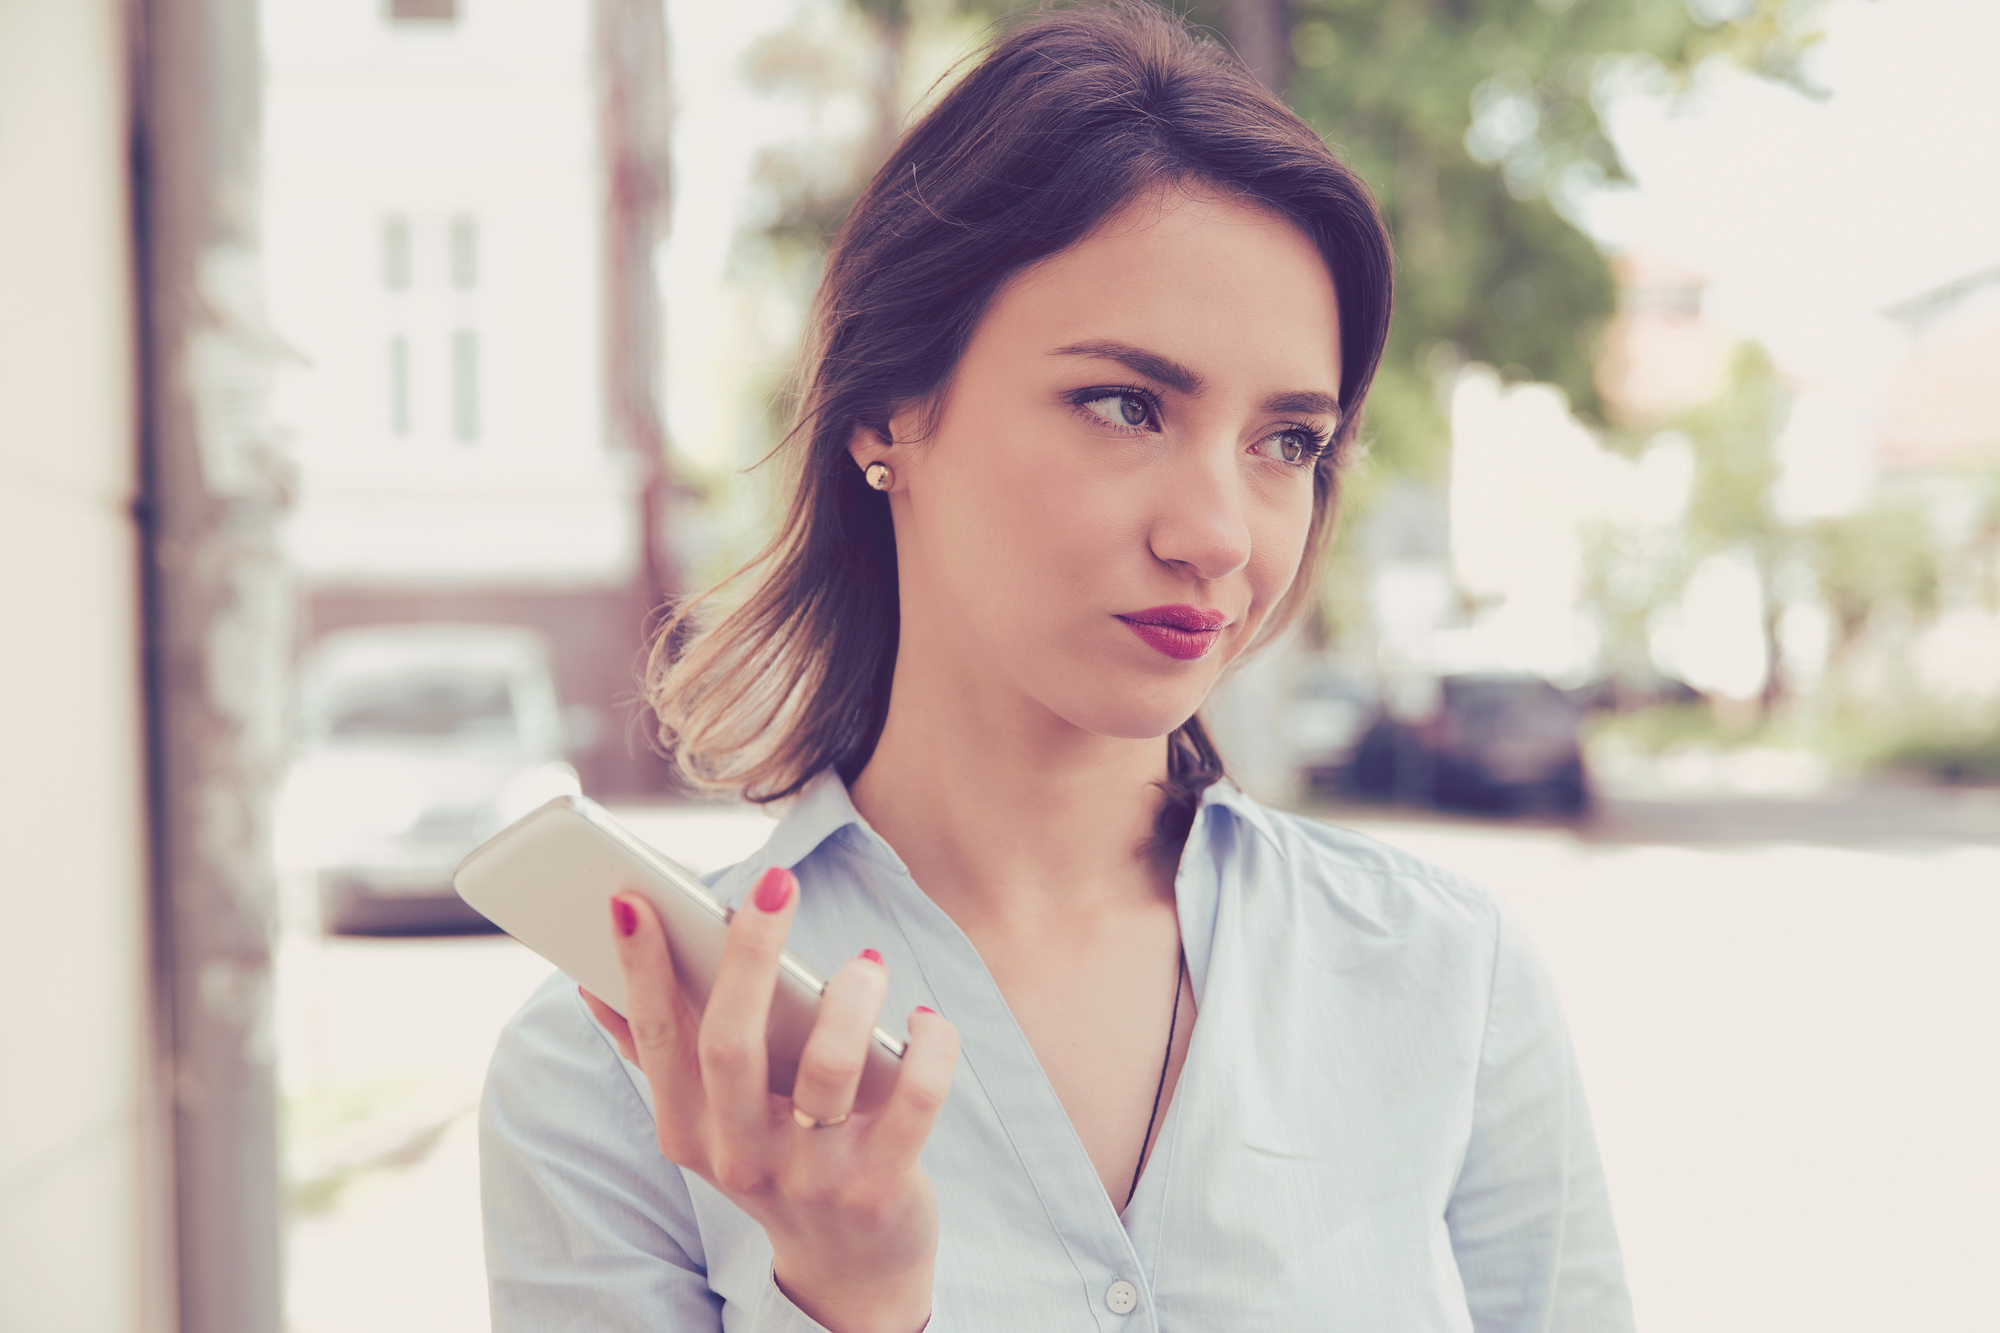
(1068, 117)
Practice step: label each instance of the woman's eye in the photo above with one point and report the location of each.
(1295, 447)
(1122, 409)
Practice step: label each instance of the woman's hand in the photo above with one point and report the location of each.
(851, 1216)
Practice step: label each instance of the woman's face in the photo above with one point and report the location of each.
(1119, 484)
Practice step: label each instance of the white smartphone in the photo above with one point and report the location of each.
(547, 879)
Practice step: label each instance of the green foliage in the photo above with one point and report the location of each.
(1630, 572)
(1956, 758)
(1633, 571)
(1735, 463)
(1474, 121)
(1880, 556)
(1662, 728)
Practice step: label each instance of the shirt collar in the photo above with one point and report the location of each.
(823, 808)
(1227, 795)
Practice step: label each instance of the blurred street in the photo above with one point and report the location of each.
(1785, 1012)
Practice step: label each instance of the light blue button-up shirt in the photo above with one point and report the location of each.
(1378, 1127)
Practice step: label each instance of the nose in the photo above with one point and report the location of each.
(1199, 524)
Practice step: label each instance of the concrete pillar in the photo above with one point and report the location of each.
(218, 600)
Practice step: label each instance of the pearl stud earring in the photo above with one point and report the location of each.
(879, 476)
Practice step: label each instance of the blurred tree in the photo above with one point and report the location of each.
(1880, 557)
(1735, 463)
(1635, 571)
(1734, 436)
(1631, 572)
(1474, 121)
(1883, 556)
(860, 63)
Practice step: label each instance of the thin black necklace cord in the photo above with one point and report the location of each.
(1165, 1060)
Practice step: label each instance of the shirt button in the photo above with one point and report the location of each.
(1123, 1298)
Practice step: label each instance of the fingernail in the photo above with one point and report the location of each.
(871, 955)
(925, 1009)
(623, 917)
(774, 890)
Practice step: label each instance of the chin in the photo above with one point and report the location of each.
(1137, 713)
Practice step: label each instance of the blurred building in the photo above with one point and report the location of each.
(1939, 451)
(1661, 354)
(1943, 402)
(435, 243)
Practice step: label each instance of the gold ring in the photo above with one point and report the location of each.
(805, 1121)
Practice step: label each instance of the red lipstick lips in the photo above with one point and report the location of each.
(1181, 632)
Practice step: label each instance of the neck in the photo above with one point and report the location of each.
(1006, 815)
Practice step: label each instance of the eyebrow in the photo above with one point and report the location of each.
(1141, 362)
(1306, 403)
(1180, 379)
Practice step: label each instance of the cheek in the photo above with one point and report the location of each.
(1277, 546)
(1026, 519)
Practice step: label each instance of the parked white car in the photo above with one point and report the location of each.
(417, 743)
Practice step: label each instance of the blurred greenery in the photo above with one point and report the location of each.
(1477, 125)
(1736, 465)
(1954, 758)
(1883, 555)
(338, 1135)
(1662, 728)
(1935, 749)
(1880, 555)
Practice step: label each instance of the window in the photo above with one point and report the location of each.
(465, 385)
(423, 11)
(464, 254)
(399, 385)
(396, 253)
(1683, 300)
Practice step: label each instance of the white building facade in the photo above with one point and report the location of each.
(434, 241)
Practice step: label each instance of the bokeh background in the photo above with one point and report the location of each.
(371, 371)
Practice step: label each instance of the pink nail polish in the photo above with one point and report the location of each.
(774, 890)
(871, 955)
(925, 1009)
(623, 917)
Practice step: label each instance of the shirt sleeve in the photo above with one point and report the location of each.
(588, 1228)
(1529, 1217)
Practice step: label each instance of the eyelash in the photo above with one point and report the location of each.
(1318, 443)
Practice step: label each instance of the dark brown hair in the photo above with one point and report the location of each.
(1067, 118)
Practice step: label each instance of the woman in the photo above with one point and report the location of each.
(1089, 350)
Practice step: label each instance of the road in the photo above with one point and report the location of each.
(1787, 1016)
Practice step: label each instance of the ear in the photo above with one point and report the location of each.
(866, 446)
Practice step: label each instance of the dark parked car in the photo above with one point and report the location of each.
(1328, 715)
(1490, 740)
